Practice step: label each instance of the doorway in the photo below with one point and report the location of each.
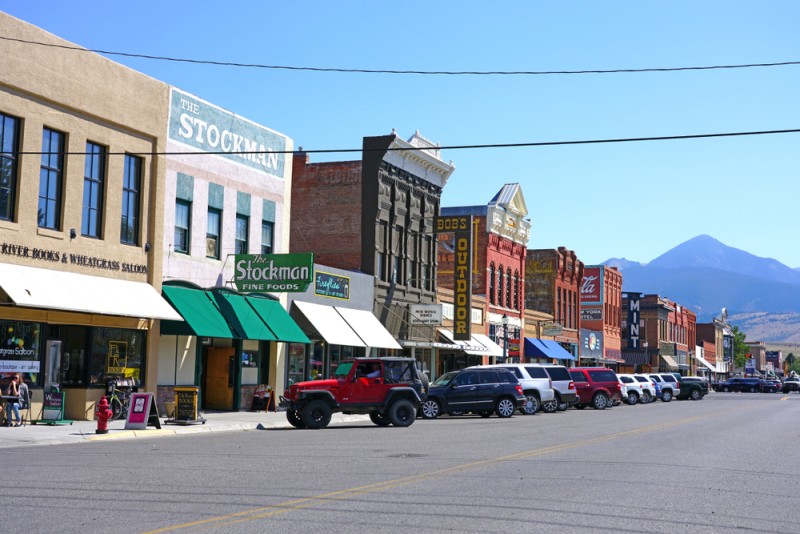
(218, 369)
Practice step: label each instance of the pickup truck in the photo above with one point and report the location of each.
(692, 387)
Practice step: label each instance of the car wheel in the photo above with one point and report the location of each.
(505, 407)
(726, 389)
(666, 395)
(316, 414)
(550, 406)
(402, 412)
(580, 406)
(562, 406)
(695, 394)
(647, 398)
(752, 390)
(633, 398)
(485, 413)
(431, 409)
(294, 419)
(599, 401)
(379, 419)
(532, 404)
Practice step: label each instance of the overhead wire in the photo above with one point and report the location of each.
(400, 71)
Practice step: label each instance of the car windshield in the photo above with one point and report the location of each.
(444, 379)
(343, 369)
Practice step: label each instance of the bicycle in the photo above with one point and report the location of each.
(118, 400)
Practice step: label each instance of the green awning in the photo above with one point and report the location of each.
(201, 317)
(278, 320)
(244, 320)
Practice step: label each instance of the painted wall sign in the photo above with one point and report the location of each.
(209, 128)
(54, 256)
(552, 330)
(634, 316)
(331, 285)
(284, 273)
(592, 286)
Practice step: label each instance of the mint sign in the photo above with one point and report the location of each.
(278, 273)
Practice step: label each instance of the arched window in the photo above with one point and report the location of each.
(517, 305)
(500, 291)
(492, 287)
(508, 287)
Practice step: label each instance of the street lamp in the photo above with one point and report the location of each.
(504, 320)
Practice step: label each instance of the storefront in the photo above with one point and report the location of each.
(547, 351)
(75, 332)
(226, 345)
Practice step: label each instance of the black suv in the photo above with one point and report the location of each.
(481, 391)
(751, 385)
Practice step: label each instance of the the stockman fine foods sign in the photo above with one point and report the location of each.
(279, 273)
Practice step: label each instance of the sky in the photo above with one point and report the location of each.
(634, 200)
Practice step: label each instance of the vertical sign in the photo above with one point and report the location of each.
(461, 225)
(634, 316)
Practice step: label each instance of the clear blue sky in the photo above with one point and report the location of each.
(633, 200)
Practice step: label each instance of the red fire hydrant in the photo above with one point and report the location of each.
(104, 415)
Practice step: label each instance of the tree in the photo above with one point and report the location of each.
(740, 348)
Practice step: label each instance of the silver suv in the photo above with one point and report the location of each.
(536, 385)
(566, 394)
(670, 387)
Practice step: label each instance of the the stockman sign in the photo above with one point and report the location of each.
(278, 273)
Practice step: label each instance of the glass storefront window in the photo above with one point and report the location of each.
(315, 364)
(73, 345)
(20, 349)
(297, 363)
(116, 353)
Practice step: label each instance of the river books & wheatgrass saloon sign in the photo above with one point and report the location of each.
(278, 273)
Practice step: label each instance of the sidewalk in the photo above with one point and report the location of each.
(84, 431)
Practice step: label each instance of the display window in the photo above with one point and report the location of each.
(20, 350)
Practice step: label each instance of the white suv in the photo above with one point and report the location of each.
(536, 385)
(670, 387)
(631, 388)
(648, 388)
(563, 386)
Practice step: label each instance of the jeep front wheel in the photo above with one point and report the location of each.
(402, 412)
(379, 419)
(431, 409)
(294, 419)
(316, 414)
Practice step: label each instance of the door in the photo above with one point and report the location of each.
(463, 392)
(218, 379)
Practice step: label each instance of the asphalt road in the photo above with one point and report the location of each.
(728, 462)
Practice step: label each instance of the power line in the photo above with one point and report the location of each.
(422, 149)
(397, 71)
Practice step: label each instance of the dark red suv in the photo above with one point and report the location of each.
(597, 387)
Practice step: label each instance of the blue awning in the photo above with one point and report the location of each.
(546, 348)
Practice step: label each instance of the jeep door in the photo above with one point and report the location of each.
(361, 389)
(462, 392)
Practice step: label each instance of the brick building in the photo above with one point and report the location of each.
(601, 313)
(552, 285)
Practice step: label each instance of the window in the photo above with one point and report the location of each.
(267, 230)
(213, 233)
(183, 225)
(242, 231)
(491, 284)
(500, 291)
(131, 190)
(508, 288)
(94, 173)
(9, 146)
(50, 176)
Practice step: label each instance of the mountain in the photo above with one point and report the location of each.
(761, 295)
(705, 251)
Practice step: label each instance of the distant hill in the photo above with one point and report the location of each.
(761, 295)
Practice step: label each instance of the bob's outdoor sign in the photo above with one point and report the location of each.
(280, 273)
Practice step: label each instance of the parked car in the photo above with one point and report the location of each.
(648, 388)
(536, 385)
(477, 390)
(630, 388)
(769, 385)
(564, 388)
(791, 383)
(750, 385)
(692, 387)
(598, 387)
(669, 385)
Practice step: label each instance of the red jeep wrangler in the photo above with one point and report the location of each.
(390, 390)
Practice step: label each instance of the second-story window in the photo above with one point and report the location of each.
(94, 175)
(50, 179)
(183, 226)
(131, 200)
(508, 288)
(213, 233)
(9, 148)
(267, 231)
(242, 231)
(491, 284)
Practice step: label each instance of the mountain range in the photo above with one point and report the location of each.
(761, 295)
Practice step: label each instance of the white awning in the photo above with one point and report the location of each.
(486, 341)
(330, 325)
(368, 328)
(59, 290)
(705, 362)
(473, 347)
(671, 363)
